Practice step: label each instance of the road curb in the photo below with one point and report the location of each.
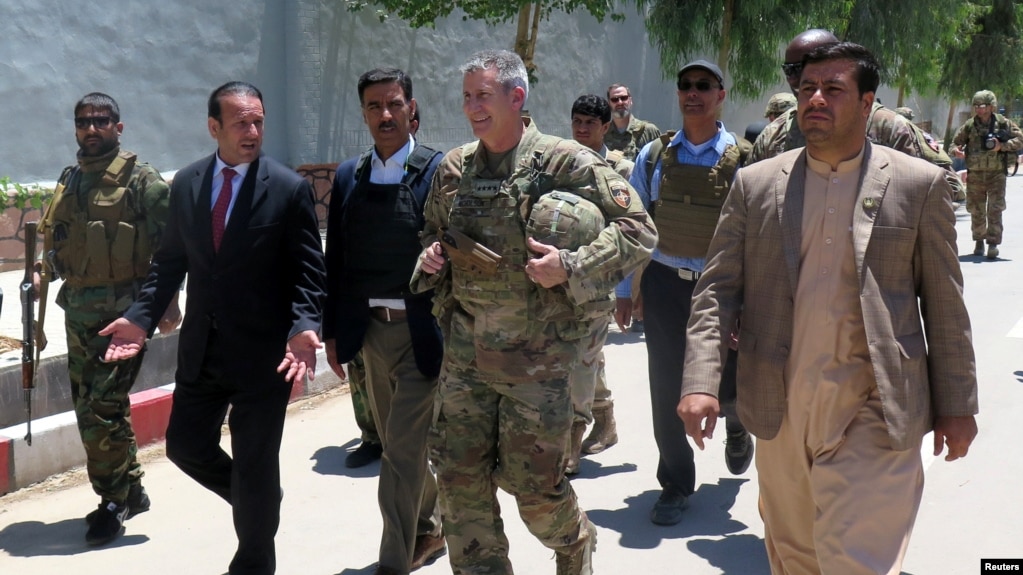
(56, 445)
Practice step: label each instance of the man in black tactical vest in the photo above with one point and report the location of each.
(376, 207)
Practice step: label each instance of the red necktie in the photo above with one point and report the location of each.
(220, 208)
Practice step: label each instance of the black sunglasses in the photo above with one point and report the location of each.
(700, 85)
(617, 99)
(101, 122)
(791, 69)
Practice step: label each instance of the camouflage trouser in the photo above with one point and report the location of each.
(100, 390)
(588, 380)
(490, 434)
(360, 400)
(985, 200)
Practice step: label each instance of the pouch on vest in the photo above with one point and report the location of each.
(97, 253)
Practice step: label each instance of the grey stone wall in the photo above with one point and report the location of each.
(160, 60)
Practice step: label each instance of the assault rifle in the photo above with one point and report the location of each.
(28, 371)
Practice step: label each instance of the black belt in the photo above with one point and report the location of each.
(387, 314)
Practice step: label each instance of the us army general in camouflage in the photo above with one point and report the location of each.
(512, 337)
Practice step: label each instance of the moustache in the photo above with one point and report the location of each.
(389, 124)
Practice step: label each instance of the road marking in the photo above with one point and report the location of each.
(1017, 330)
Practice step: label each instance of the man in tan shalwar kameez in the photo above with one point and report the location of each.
(841, 256)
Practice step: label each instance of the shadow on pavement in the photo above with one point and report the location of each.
(708, 514)
(619, 338)
(368, 570)
(64, 538)
(742, 554)
(589, 469)
(330, 460)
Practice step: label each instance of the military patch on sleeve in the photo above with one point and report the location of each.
(620, 194)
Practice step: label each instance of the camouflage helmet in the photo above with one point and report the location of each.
(779, 103)
(564, 220)
(905, 112)
(985, 97)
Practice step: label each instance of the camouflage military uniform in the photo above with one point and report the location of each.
(100, 390)
(589, 380)
(629, 142)
(503, 409)
(884, 128)
(985, 186)
(360, 400)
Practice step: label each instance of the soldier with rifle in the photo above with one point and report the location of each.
(100, 230)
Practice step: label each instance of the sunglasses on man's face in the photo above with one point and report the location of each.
(700, 85)
(618, 99)
(791, 69)
(101, 122)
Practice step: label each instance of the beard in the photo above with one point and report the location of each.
(620, 114)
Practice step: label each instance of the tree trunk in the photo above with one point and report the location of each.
(726, 36)
(526, 34)
(948, 125)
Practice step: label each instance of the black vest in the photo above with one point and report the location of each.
(381, 227)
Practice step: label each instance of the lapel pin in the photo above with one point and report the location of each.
(868, 203)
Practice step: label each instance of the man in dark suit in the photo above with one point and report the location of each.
(855, 340)
(243, 227)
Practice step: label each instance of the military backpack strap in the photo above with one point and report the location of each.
(745, 148)
(614, 156)
(653, 156)
(119, 171)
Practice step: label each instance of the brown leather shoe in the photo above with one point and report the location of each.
(428, 549)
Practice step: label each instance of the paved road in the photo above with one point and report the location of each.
(330, 523)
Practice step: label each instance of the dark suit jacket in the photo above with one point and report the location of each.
(911, 292)
(266, 283)
(346, 318)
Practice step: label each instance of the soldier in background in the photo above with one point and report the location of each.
(515, 320)
(778, 105)
(985, 141)
(884, 126)
(907, 113)
(591, 398)
(628, 134)
(101, 229)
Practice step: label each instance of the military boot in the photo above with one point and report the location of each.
(992, 251)
(581, 561)
(574, 448)
(604, 433)
(978, 250)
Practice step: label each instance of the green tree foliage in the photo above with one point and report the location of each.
(745, 35)
(528, 15)
(910, 39)
(991, 56)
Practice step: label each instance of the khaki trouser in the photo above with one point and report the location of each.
(838, 509)
(402, 401)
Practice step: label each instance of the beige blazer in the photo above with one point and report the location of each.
(911, 287)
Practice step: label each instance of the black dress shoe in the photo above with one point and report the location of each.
(365, 454)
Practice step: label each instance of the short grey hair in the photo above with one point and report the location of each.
(511, 72)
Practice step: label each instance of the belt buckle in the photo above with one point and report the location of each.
(688, 275)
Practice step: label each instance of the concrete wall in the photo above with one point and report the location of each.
(160, 60)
